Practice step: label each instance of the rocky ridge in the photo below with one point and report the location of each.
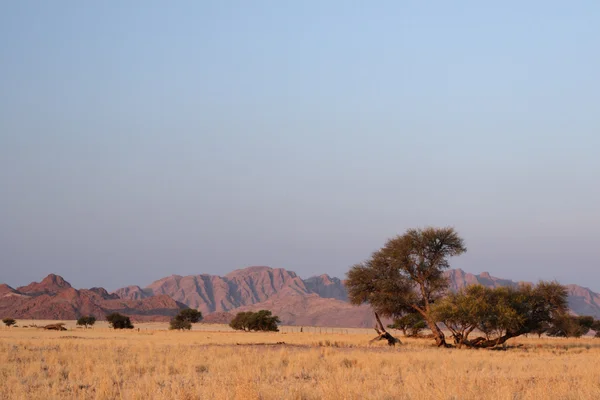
(319, 301)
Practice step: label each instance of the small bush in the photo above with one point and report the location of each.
(410, 324)
(261, 320)
(185, 319)
(86, 321)
(118, 321)
(9, 321)
(180, 324)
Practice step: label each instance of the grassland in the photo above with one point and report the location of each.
(212, 362)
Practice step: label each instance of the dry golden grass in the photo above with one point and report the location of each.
(101, 363)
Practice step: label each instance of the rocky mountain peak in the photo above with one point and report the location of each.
(51, 284)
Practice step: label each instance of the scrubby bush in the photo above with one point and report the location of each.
(118, 321)
(262, 320)
(410, 324)
(86, 321)
(185, 319)
(566, 325)
(9, 321)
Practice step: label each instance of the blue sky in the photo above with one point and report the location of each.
(146, 139)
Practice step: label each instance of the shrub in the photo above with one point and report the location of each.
(118, 321)
(566, 325)
(240, 321)
(262, 320)
(86, 321)
(180, 324)
(185, 319)
(9, 321)
(410, 324)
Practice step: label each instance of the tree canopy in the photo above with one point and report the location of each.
(262, 320)
(118, 321)
(185, 319)
(406, 275)
(565, 325)
(500, 313)
(86, 321)
(410, 324)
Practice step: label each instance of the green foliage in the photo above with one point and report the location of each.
(241, 321)
(9, 321)
(500, 313)
(180, 324)
(185, 319)
(541, 329)
(261, 320)
(86, 321)
(406, 275)
(410, 324)
(118, 321)
(190, 314)
(566, 325)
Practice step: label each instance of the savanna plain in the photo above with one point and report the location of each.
(213, 362)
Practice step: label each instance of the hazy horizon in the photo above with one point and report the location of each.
(142, 140)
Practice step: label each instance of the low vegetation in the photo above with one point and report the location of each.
(262, 320)
(566, 325)
(185, 319)
(86, 321)
(118, 321)
(9, 321)
(411, 324)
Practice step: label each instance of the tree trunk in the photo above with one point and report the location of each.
(440, 338)
(484, 343)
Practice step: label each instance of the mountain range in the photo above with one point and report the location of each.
(55, 298)
(316, 301)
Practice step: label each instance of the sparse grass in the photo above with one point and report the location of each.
(101, 363)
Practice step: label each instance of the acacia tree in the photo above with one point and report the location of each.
(410, 324)
(86, 321)
(262, 320)
(501, 313)
(9, 321)
(406, 275)
(118, 321)
(185, 319)
(464, 311)
(566, 325)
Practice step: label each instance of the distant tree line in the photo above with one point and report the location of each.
(405, 280)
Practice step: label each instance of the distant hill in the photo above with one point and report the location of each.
(582, 301)
(243, 287)
(319, 301)
(55, 298)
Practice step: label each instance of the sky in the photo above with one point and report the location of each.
(142, 139)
